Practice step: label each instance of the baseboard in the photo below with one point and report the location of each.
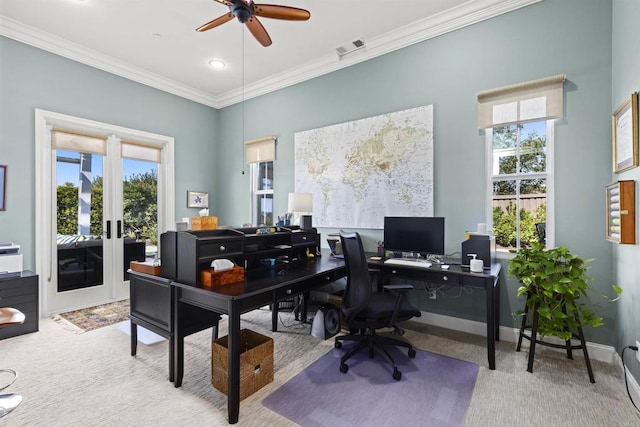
(602, 353)
(634, 388)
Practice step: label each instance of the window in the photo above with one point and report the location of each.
(262, 193)
(260, 154)
(519, 127)
(520, 183)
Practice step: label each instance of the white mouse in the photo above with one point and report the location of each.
(445, 266)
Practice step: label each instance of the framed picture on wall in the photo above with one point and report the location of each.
(624, 126)
(3, 188)
(197, 199)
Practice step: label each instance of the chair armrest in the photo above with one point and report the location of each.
(404, 287)
(401, 289)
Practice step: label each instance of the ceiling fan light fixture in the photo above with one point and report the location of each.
(217, 64)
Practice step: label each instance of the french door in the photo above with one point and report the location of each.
(105, 194)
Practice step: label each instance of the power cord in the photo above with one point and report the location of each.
(624, 369)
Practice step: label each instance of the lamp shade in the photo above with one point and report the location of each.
(300, 202)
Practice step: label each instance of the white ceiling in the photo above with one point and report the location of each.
(154, 41)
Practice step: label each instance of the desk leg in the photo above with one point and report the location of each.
(233, 354)
(497, 308)
(303, 310)
(176, 340)
(491, 323)
(274, 314)
(134, 338)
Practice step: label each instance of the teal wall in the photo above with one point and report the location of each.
(554, 36)
(31, 78)
(626, 79)
(548, 38)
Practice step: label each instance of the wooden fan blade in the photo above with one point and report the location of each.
(258, 31)
(275, 11)
(224, 2)
(216, 22)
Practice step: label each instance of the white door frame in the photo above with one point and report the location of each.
(45, 195)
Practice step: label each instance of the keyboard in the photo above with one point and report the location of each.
(408, 262)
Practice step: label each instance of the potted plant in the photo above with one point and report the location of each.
(554, 280)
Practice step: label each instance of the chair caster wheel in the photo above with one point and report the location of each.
(397, 375)
(344, 368)
(337, 344)
(412, 353)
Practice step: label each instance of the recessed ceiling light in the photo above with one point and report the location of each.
(216, 64)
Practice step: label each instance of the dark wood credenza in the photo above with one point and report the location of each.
(21, 293)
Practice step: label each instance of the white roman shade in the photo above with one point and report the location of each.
(261, 149)
(540, 99)
(83, 143)
(140, 151)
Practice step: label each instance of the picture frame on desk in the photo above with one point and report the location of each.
(197, 199)
(624, 128)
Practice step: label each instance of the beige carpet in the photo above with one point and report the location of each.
(90, 379)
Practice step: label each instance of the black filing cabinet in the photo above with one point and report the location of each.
(21, 293)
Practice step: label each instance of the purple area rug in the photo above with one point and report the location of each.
(434, 390)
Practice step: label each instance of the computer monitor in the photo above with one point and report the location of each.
(424, 235)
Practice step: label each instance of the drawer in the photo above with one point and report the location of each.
(24, 303)
(307, 285)
(219, 248)
(425, 275)
(29, 325)
(19, 286)
(303, 237)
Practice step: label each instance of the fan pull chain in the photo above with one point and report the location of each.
(242, 112)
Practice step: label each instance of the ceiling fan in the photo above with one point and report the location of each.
(247, 12)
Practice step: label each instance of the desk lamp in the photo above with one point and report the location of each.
(301, 206)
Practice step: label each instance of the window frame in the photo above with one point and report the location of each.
(256, 192)
(548, 175)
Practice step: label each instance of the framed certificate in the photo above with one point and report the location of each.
(624, 124)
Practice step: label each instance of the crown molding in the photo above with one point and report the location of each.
(59, 46)
(468, 13)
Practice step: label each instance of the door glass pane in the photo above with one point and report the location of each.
(140, 211)
(79, 220)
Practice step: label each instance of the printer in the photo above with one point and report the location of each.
(10, 259)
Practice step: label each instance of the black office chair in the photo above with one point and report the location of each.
(365, 311)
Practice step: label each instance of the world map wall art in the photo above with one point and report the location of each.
(361, 171)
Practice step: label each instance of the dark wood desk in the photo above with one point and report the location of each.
(456, 275)
(262, 288)
(258, 289)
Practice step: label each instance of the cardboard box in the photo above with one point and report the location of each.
(146, 267)
(210, 278)
(256, 362)
(204, 222)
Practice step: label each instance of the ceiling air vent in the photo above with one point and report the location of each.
(350, 48)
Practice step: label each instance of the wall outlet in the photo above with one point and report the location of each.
(638, 352)
(432, 294)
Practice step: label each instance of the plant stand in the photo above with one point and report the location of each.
(568, 346)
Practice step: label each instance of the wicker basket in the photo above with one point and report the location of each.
(256, 362)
